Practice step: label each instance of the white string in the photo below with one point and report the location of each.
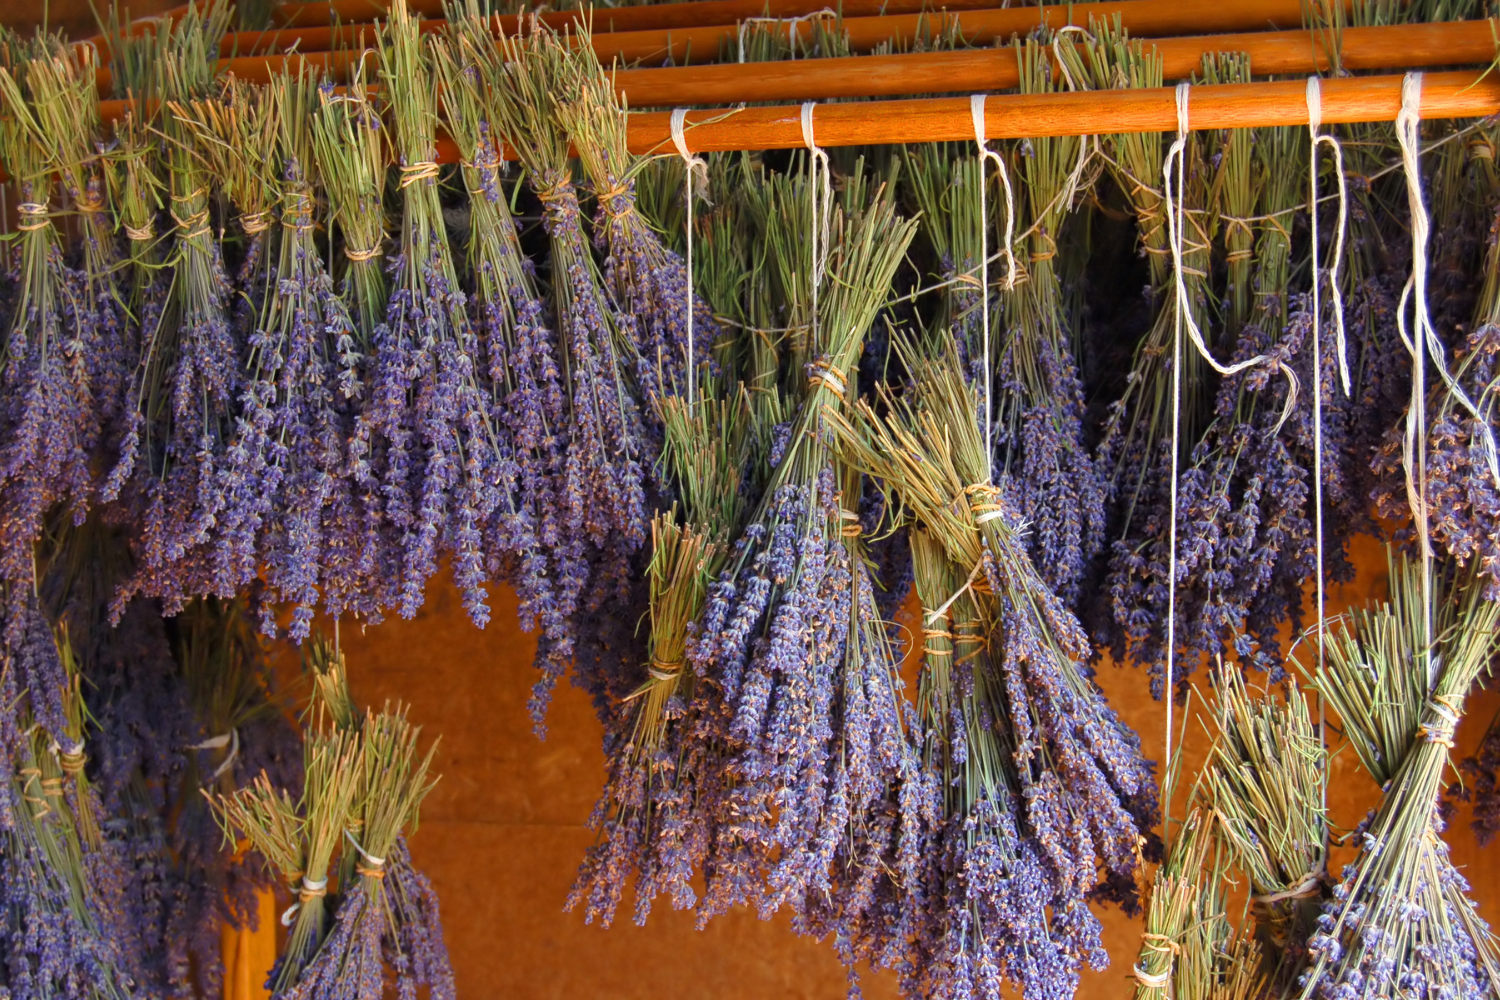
(1426, 341)
(1315, 122)
(821, 194)
(791, 23)
(976, 111)
(1408, 129)
(1176, 150)
(1176, 223)
(692, 164)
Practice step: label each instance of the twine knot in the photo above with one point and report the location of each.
(822, 372)
(1442, 715)
(36, 211)
(423, 170)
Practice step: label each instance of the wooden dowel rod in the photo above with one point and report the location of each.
(1456, 94)
(1417, 46)
(702, 44)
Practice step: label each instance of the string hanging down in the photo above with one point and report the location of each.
(1174, 225)
(820, 191)
(976, 111)
(692, 164)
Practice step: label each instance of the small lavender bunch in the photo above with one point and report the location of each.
(602, 487)
(433, 441)
(777, 620)
(647, 814)
(1267, 782)
(351, 155)
(234, 134)
(1397, 673)
(1086, 792)
(393, 781)
(648, 281)
(188, 381)
(1138, 420)
(299, 837)
(1462, 491)
(525, 538)
(49, 420)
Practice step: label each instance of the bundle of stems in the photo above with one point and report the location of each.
(1136, 430)
(430, 433)
(1078, 768)
(525, 537)
(602, 486)
(298, 837)
(392, 781)
(387, 914)
(234, 135)
(648, 281)
(183, 392)
(775, 626)
(1267, 783)
(49, 420)
(1397, 673)
(1039, 417)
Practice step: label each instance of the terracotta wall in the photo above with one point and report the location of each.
(503, 832)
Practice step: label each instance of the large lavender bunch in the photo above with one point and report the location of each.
(186, 385)
(53, 359)
(1397, 674)
(525, 538)
(351, 156)
(432, 437)
(776, 623)
(1082, 790)
(602, 492)
(648, 281)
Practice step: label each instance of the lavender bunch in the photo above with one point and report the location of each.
(351, 961)
(602, 487)
(649, 815)
(776, 623)
(1267, 783)
(648, 281)
(350, 158)
(432, 440)
(525, 539)
(53, 353)
(1397, 674)
(234, 134)
(298, 837)
(1085, 793)
(1136, 427)
(185, 388)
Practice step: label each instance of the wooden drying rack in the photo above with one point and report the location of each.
(1280, 48)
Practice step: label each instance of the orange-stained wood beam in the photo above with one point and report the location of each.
(1457, 94)
(1417, 46)
(701, 44)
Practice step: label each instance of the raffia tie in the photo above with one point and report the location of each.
(32, 777)
(611, 199)
(1162, 945)
(360, 256)
(423, 170)
(308, 890)
(141, 235)
(1481, 148)
(928, 634)
(1442, 715)
(72, 759)
(37, 211)
(982, 505)
(89, 203)
(665, 670)
(821, 372)
(255, 223)
(194, 225)
(1310, 887)
(850, 526)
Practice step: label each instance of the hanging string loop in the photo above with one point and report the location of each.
(693, 165)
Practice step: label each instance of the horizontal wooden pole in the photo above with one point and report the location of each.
(1417, 46)
(1461, 94)
(1458, 94)
(702, 43)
